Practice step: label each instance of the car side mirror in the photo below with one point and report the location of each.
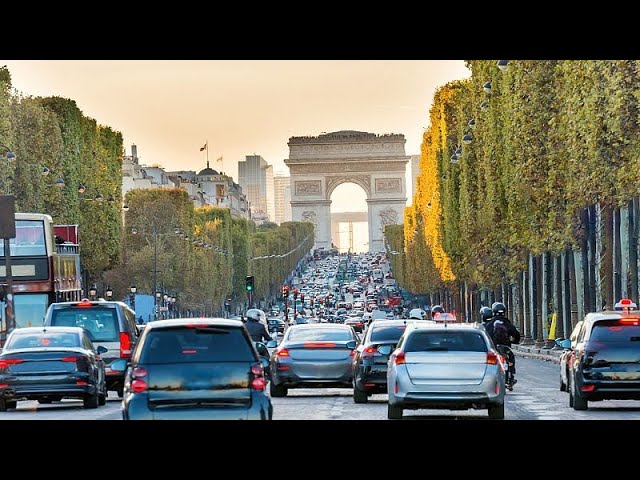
(101, 349)
(384, 349)
(119, 365)
(352, 344)
(566, 344)
(272, 344)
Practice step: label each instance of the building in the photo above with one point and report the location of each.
(255, 176)
(282, 198)
(415, 171)
(135, 175)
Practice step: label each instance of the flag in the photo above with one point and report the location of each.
(204, 147)
(219, 159)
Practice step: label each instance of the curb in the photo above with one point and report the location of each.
(537, 353)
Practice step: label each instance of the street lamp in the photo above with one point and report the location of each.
(503, 65)
(60, 183)
(109, 293)
(132, 297)
(487, 87)
(93, 291)
(10, 158)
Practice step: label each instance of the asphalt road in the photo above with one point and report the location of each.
(535, 397)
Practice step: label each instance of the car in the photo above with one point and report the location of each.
(51, 363)
(356, 323)
(276, 325)
(205, 368)
(109, 324)
(313, 356)
(566, 355)
(605, 359)
(370, 361)
(447, 366)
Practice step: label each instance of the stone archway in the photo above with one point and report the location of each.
(377, 163)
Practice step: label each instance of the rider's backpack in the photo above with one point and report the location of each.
(500, 333)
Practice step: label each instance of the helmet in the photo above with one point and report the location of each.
(436, 309)
(417, 314)
(498, 309)
(257, 315)
(485, 313)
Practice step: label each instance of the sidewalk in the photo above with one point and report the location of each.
(530, 351)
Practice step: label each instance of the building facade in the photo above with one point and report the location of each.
(255, 176)
(282, 198)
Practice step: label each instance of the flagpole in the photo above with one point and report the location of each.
(207, 149)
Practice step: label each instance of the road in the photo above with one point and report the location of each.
(535, 397)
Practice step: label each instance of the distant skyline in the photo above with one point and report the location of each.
(169, 109)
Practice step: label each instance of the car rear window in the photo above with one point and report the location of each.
(324, 334)
(614, 331)
(445, 341)
(387, 333)
(43, 340)
(193, 345)
(100, 323)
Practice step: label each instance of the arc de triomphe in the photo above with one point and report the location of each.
(377, 163)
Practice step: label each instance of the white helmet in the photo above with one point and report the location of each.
(257, 315)
(417, 314)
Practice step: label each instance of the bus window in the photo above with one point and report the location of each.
(29, 241)
(30, 309)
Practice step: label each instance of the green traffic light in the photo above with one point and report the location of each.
(249, 288)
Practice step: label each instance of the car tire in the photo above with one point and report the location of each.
(102, 397)
(120, 391)
(563, 386)
(359, 396)
(91, 401)
(3, 405)
(496, 412)
(277, 390)
(394, 412)
(579, 403)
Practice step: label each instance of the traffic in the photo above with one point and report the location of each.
(342, 329)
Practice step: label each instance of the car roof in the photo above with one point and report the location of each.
(455, 327)
(48, 330)
(100, 302)
(180, 322)
(610, 315)
(320, 326)
(393, 322)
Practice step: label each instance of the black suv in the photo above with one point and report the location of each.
(370, 361)
(604, 362)
(191, 369)
(110, 324)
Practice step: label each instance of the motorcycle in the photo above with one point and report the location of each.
(263, 353)
(509, 365)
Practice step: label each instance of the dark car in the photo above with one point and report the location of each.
(605, 359)
(108, 324)
(195, 369)
(369, 363)
(356, 322)
(313, 356)
(276, 325)
(51, 363)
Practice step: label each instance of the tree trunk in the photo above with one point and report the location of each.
(580, 290)
(617, 253)
(633, 248)
(608, 257)
(598, 261)
(625, 271)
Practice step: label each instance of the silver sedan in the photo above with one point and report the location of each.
(453, 367)
(316, 356)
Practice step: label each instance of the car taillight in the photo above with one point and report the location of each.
(492, 358)
(4, 385)
(399, 359)
(588, 388)
(283, 352)
(125, 345)
(352, 353)
(370, 350)
(198, 325)
(10, 361)
(139, 372)
(69, 359)
(257, 370)
(259, 383)
(138, 386)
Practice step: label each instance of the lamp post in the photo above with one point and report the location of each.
(109, 293)
(165, 297)
(132, 297)
(93, 291)
(156, 306)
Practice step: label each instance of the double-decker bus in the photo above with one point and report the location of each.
(45, 267)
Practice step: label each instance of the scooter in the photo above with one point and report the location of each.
(263, 353)
(509, 364)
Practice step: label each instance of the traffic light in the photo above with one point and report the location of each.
(249, 283)
(285, 291)
(302, 297)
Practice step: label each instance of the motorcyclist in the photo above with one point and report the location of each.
(486, 314)
(257, 330)
(417, 314)
(436, 310)
(511, 335)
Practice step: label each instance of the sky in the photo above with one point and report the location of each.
(170, 108)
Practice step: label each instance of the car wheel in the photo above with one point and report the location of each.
(91, 401)
(496, 412)
(394, 412)
(3, 405)
(570, 390)
(120, 391)
(102, 397)
(359, 396)
(579, 403)
(563, 386)
(277, 390)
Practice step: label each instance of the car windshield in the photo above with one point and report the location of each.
(324, 334)
(387, 333)
(446, 341)
(100, 323)
(43, 340)
(613, 331)
(194, 345)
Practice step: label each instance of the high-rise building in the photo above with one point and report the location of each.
(415, 171)
(282, 198)
(255, 176)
